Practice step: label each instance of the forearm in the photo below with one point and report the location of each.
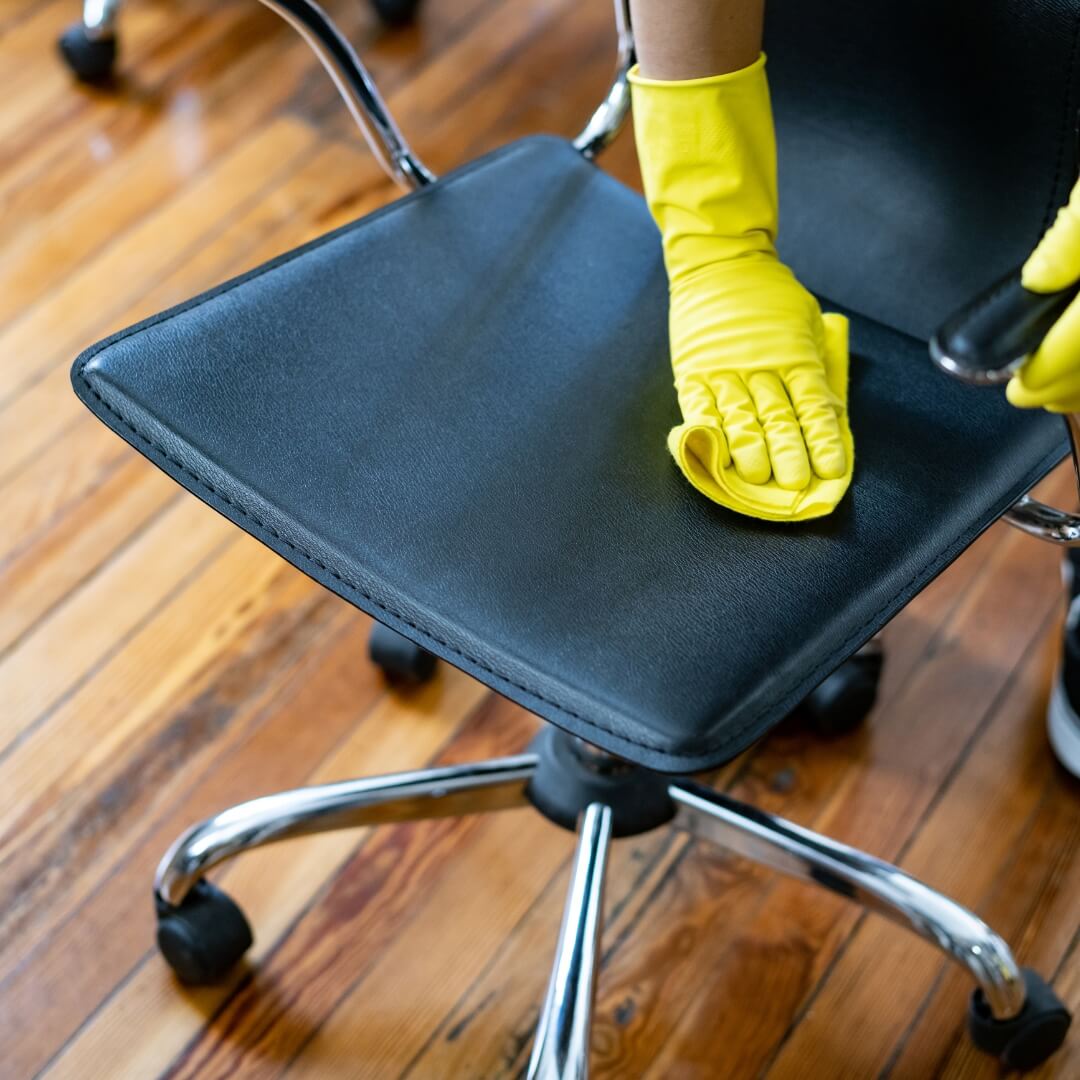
(692, 39)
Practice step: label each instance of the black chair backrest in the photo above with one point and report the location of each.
(924, 145)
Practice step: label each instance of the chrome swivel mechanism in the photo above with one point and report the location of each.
(202, 933)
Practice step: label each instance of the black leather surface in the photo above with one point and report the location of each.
(924, 146)
(453, 414)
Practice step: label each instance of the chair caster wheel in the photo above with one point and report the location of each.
(401, 660)
(204, 937)
(844, 700)
(91, 59)
(1027, 1040)
(396, 12)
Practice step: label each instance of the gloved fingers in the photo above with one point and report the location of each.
(835, 331)
(698, 405)
(783, 435)
(817, 408)
(1065, 405)
(1053, 373)
(745, 439)
(1055, 262)
(1060, 397)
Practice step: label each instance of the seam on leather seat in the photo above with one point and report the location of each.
(354, 586)
(84, 360)
(853, 638)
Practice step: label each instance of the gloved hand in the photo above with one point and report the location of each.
(761, 375)
(1051, 378)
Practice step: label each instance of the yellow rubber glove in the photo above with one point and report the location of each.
(761, 376)
(1051, 378)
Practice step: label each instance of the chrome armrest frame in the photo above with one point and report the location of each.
(1047, 522)
(607, 121)
(368, 109)
(357, 89)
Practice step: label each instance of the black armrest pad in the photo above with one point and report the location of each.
(990, 337)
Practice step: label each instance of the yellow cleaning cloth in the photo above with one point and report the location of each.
(760, 374)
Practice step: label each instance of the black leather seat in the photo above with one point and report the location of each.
(453, 412)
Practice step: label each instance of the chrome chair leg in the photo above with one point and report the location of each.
(876, 885)
(561, 1048)
(99, 18)
(89, 47)
(408, 796)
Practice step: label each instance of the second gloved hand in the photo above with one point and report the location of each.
(1051, 378)
(761, 375)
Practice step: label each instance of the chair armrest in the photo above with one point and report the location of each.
(988, 339)
(368, 109)
(983, 344)
(356, 88)
(607, 120)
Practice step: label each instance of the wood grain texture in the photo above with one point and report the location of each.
(156, 665)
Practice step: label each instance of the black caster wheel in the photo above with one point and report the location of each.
(396, 12)
(844, 700)
(1027, 1040)
(91, 60)
(401, 660)
(204, 937)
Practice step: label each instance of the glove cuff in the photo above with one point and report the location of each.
(637, 79)
(708, 165)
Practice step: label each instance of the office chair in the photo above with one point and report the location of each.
(452, 413)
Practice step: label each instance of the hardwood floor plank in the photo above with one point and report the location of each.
(40, 576)
(212, 602)
(268, 743)
(961, 848)
(291, 212)
(78, 830)
(150, 1020)
(1035, 902)
(263, 743)
(101, 127)
(871, 800)
(487, 1030)
(104, 206)
(54, 330)
(13, 12)
(46, 88)
(59, 477)
(133, 587)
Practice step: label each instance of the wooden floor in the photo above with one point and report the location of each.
(157, 665)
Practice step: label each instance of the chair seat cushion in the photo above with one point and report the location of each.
(453, 414)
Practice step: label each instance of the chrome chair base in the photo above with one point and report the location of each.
(201, 931)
